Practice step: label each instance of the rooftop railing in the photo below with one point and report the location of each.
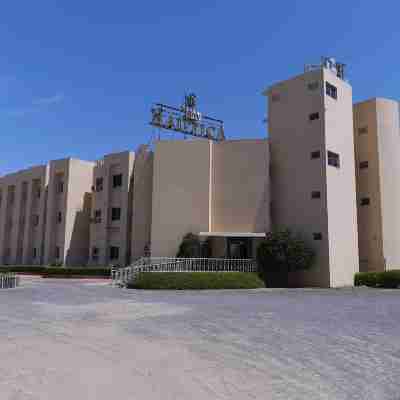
(121, 276)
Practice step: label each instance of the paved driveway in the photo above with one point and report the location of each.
(85, 340)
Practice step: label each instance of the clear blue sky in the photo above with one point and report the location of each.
(78, 78)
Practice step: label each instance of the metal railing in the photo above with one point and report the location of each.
(8, 281)
(121, 276)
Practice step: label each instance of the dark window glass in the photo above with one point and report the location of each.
(365, 201)
(316, 154)
(331, 90)
(333, 159)
(363, 130)
(313, 85)
(95, 253)
(60, 187)
(317, 236)
(34, 252)
(99, 184)
(115, 214)
(59, 217)
(313, 116)
(97, 216)
(117, 180)
(315, 194)
(114, 253)
(35, 220)
(363, 164)
(58, 252)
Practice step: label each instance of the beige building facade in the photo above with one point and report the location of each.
(22, 216)
(110, 228)
(377, 150)
(312, 171)
(218, 190)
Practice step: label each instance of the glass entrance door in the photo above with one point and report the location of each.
(239, 248)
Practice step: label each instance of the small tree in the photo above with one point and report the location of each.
(280, 253)
(190, 247)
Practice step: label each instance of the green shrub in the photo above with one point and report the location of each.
(57, 271)
(192, 247)
(280, 253)
(386, 279)
(196, 280)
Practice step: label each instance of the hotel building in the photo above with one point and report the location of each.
(377, 150)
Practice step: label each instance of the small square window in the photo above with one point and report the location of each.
(317, 236)
(365, 201)
(97, 216)
(60, 188)
(333, 159)
(99, 184)
(315, 194)
(363, 130)
(331, 90)
(313, 116)
(363, 164)
(117, 180)
(35, 220)
(313, 85)
(114, 253)
(315, 154)
(115, 214)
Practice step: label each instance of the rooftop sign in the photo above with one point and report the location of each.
(187, 120)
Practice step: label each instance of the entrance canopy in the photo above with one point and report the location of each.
(234, 234)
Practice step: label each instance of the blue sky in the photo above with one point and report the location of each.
(78, 78)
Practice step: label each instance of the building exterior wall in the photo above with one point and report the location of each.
(240, 186)
(109, 232)
(68, 212)
(142, 202)
(181, 190)
(200, 185)
(22, 216)
(295, 173)
(376, 136)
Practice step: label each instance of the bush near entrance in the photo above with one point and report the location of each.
(192, 247)
(196, 280)
(386, 279)
(280, 253)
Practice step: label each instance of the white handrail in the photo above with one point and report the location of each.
(121, 276)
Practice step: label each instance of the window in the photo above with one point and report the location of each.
(97, 216)
(315, 194)
(99, 184)
(363, 130)
(313, 85)
(95, 253)
(60, 188)
(313, 116)
(315, 154)
(58, 252)
(117, 180)
(363, 164)
(333, 159)
(365, 201)
(331, 90)
(59, 217)
(114, 253)
(38, 192)
(34, 253)
(35, 220)
(317, 236)
(115, 214)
